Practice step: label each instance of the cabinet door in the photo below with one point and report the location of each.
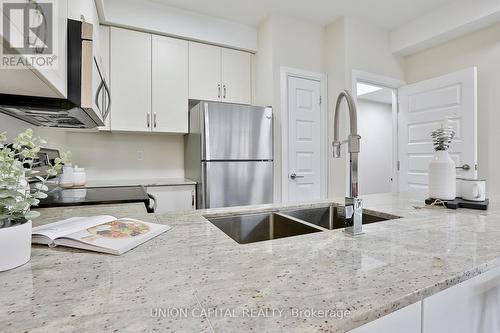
(173, 198)
(130, 80)
(236, 76)
(406, 320)
(170, 85)
(204, 72)
(56, 78)
(470, 307)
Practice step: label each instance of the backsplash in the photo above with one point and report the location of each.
(112, 156)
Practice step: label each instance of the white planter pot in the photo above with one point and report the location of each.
(442, 177)
(15, 246)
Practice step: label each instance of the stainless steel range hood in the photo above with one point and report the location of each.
(78, 109)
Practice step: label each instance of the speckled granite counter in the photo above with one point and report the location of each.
(195, 266)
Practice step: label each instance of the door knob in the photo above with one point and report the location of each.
(294, 176)
(464, 167)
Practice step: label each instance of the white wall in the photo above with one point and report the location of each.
(375, 159)
(354, 45)
(481, 49)
(109, 156)
(284, 42)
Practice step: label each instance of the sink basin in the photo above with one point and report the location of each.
(333, 217)
(253, 228)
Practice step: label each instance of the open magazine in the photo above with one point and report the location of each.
(105, 234)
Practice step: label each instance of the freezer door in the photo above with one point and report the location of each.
(228, 184)
(237, 132)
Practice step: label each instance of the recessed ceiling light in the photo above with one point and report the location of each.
(364, 89)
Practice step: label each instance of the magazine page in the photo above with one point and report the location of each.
(69, 226)
(118, 235)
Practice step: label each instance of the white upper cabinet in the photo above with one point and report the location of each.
(130, 80)
(44, 82)
(170, 85)
(236, 76)
(219, 74)
(205, 72)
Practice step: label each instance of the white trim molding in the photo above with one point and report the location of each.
(159, 18)
(285, 73)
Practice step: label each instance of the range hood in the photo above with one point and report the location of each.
(82, 108)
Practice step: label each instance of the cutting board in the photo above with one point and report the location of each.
(461, 203)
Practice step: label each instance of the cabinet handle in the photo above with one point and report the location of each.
(154, 120)
(218, 88)
(148, 120)
(192, 199)
(225, 90)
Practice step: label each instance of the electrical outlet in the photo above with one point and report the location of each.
(140, 155)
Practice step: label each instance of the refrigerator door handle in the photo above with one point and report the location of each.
(207, 132)
(206, 186)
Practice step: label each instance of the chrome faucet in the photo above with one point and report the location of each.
(353, 204)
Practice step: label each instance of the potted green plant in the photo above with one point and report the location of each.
(17, 196)
(442, 170)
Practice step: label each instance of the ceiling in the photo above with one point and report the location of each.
(381, 95)
(384, 13)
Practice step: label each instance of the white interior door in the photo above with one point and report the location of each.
(423, 107)
(304, 139)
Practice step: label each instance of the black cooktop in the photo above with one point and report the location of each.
(95, 196)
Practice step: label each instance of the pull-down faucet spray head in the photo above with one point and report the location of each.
(353, 138)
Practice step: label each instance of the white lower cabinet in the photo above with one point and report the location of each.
(173, 198)
(406, 320)
(470, 307)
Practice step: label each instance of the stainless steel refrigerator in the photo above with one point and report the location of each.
(229, 152)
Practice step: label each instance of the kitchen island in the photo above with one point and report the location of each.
(194, 278)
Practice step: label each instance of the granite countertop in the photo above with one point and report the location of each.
(163, 285)
(143, 182)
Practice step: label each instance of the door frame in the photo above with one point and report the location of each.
(386, 82)
(285, 73)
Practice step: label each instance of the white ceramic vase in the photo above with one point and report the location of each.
(442, 177)
(15, 246)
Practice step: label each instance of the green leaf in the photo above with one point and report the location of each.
(19, 206)
(8, 202)
(33, 201)
(9, 194)
(31, 215)
(41, 187)
(39, 195)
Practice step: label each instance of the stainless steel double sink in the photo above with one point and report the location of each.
(258, 227)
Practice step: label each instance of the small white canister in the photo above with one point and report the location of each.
(79, 176)
(66, 179)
